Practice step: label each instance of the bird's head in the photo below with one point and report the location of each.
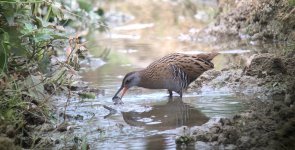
(131, 79)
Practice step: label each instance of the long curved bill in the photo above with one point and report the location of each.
(124, 91)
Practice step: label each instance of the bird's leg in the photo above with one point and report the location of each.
(180, 93)
(170, 93)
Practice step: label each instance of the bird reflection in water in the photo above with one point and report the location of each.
(175, 113)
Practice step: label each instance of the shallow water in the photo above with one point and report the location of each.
(148, 119)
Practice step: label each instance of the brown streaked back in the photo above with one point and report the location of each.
(192, 65)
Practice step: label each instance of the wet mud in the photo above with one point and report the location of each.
(269, 121)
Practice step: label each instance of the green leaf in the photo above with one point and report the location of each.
(3, 58)
(84, 144)
(59, 36)
(44, 63)
(86, 5)
(56, 7)
(57, 75)
(41, 22)
(9, 14)
(42, 37)
(35, 87)
(3, 50)
(28, 29)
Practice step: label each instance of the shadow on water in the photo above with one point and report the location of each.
(175, 113)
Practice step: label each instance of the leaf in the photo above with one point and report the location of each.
(9, 14)
(84, 144)
(48, 33)
(3, 59)
(86, 5)
(28, 28)
(58, 74)
(35, 87)
(41, 22)
(44, 63)
(4, 51)
(56, 7)
(42, 37)
(59, 36)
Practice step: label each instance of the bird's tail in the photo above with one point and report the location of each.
(208, 56)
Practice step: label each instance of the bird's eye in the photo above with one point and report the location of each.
(127, 81)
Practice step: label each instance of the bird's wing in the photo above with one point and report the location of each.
(168, 59)
(191, 66)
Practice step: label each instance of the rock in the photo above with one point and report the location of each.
(244, 141)
(222, 139)
(34, 118)
(231, 134)
(257, 36)
(57, 141)
(236, 117)
(47, 127)
(79, 117)
(265, 64)
(215, 129)
(202, 137)
(67, 116)
(230, 147)
(78, 86)
(213, 137)
(184, 140)
(225, 121)
(64, 127)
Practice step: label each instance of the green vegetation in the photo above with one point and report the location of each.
(291, 2)
(88, 95)
(32, 34)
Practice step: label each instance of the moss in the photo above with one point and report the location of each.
(184, 140)
(291, 2)
(88, 95)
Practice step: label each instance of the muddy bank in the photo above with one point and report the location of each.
(266, 77)
(255, 20)
(269, 122)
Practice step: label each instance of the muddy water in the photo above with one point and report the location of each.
(148, 119)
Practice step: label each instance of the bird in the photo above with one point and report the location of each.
(173, 72)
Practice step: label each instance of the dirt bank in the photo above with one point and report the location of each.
(269, 122)
(255, 20)
(268, 78)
